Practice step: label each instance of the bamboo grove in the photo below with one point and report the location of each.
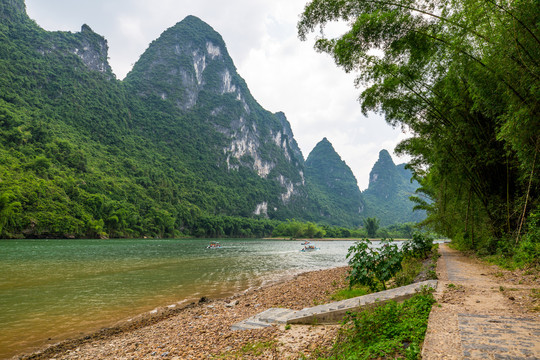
(462, 76)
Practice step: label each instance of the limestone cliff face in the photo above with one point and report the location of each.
(92, 49)
(12, 10)
(189, 68)
(384, 176)
(88, 46)
(286, 140)
(186, 59)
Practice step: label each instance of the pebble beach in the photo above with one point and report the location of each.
(202, 330)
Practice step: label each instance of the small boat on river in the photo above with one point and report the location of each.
(214, 245)
(310, 248)
(306, 242)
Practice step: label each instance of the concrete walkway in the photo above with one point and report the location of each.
(331, 313)
(474, 318)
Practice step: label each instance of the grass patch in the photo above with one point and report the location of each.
(343, 294)
(254, 349)
(410, 268)
(257, 348)
(418, 269)
(389, 331)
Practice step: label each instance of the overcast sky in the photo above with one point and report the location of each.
(282, 72)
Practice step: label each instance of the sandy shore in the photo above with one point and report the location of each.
(202, 330)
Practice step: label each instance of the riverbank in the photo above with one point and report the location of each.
(329, 239)
(201, 330)
(52, 290)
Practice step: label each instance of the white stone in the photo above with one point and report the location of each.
(199, 63)
(289, 187)
(228, 86)
(261, 208)
(244, 142)
(213, 51)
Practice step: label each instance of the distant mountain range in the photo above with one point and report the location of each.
(178, 147)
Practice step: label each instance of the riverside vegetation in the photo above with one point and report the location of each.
(392, 330)
(463, 77)
(295, 229)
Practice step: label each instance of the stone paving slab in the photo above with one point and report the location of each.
(499, 337)
(264, 319)
(276, 316)
(334, 312)
(331, 313)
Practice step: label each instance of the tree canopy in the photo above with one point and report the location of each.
(463, 77)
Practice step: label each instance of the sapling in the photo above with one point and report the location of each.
(371, 266)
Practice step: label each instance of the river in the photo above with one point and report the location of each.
(51, 290)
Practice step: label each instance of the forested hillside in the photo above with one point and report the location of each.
(388, 194)
(159, 154)
(333, 187)
(464, 78)
(178, 148)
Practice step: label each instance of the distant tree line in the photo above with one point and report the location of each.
(297, 229)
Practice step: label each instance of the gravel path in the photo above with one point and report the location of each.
(484, 312)
(202, 331)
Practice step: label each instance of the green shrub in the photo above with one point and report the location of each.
(411, 267)
(419, 246)
(528, 252)
(349, 293)
(371, 266)
(391, 331)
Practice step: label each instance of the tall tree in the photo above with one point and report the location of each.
(371, 225)
(463, 77)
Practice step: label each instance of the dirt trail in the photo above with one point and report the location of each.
(483, 312)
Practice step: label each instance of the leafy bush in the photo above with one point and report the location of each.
(389, 331)
(371, 225)
(411, 267)
(371, 266)
(528, 252)
(419, 246)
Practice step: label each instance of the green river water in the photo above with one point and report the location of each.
(56, 289)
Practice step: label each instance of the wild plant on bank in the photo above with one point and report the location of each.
(388, 331)
(419, 246)
(373, 266)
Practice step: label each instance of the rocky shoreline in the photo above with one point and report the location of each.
(202, 330)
